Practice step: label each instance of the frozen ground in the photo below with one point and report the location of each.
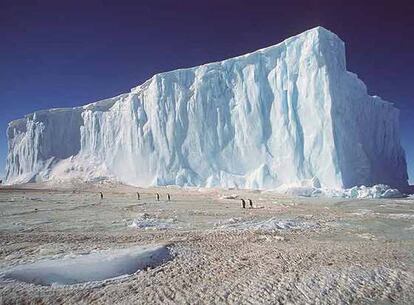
(285, 250)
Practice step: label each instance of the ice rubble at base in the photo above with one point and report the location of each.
(97, 266)
(276, 116)
(375, 192)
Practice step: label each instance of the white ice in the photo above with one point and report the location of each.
(268, 225)
(284, 114)
(361, 192)
(146, 222)
(90, 267)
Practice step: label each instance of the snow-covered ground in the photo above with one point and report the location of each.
(62, 246)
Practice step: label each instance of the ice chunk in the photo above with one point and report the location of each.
(376, 191)
(391, 193)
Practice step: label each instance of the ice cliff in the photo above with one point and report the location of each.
(278, 116)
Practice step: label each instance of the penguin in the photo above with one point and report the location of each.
(158, 197)
(138, 196)
(251, 203)
(168, 196)
(101, 195)
(243, 203)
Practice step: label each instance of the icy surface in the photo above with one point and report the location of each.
(146, 222)
(286, 114)
(268, 225)
(90, 267)
(376, 191)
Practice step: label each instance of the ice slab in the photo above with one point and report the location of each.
(92, 267)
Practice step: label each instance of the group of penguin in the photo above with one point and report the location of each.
(157, 196)
(244, 203)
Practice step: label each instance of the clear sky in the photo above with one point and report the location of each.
(61, 55)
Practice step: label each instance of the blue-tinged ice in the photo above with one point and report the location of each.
(278, 116)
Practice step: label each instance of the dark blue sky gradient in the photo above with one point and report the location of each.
(61, 55)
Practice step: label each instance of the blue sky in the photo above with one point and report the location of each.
(62, 55)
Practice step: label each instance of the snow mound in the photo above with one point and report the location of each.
(96, 266)
(269, 225)
(146, 222)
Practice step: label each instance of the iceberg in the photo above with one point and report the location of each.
(288, 114)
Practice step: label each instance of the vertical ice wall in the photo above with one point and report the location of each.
(276, 116)
(39, 140)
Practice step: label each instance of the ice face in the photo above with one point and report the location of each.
(280, 115)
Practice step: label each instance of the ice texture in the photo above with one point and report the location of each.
(271, 224)
(281, 115)
(375, 192)
(96, 266)
(146, 222)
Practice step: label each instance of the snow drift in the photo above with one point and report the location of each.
(91, 267)
(279, 115)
